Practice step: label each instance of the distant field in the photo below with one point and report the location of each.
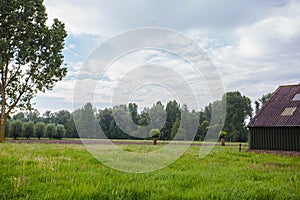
(68, 171)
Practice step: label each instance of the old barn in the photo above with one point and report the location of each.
(277, 125)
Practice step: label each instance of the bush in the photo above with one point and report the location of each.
(40, 128)
(16, 129)
(155, 133)
(28, 130)
(50, 130)
(60, 132)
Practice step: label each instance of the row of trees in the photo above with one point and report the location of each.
(17, 128)
(166, 118)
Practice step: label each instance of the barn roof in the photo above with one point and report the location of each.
(282, 109)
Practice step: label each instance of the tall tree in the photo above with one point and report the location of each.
(30, 54)
(238, 109)
(173, 112)
(86, 121)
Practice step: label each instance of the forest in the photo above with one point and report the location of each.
(61, 124)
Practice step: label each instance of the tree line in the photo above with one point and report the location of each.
(62, 123)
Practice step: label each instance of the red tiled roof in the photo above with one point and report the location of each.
(271, 114)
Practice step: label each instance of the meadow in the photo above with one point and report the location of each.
(69, 171)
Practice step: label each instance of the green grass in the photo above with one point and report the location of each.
(55, 171)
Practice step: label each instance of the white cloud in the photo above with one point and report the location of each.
(254, 44)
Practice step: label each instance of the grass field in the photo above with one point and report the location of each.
(68, 171)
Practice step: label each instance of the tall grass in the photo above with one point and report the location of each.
(56, 171)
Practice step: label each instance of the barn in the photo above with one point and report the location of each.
(277, 125)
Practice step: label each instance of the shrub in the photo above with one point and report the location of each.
(50, 130)
(155, 132)
(60, 132)
(40, 128)
(16, 129)
(28, 130)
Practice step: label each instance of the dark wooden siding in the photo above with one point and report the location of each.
(275, 138)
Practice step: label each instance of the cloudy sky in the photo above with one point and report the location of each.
(254, 45)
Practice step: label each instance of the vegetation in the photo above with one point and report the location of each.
(30, 54)
(16, 129)
(154, 134)
(42, 171)
(86, 118)
(260, 102)
(40, 129)
(51, 130)
(28, 129)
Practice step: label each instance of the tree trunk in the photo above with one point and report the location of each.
(3, 114)
(222, 141)
(2, 122)
(2, 130)
(154, 140)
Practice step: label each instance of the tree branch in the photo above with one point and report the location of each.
(20, 95)
(13, 76)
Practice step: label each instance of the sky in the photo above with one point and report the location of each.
(254, 46)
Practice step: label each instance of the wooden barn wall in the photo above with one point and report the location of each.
(275, 138)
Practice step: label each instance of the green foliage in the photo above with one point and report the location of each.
(43, 171)
(60, 132)
(16, 129)
(26, 40)
(175, 128)
(223, 134)
(155, 133)
(50, 130)
(173, 112)
(28, 130)
(31, 55)
(202, 130)
(86, 121)
(238, 108)
(40, 129)
(262, 101)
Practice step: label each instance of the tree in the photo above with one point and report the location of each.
(33, 116)
(155, 134)
(16, 129)
(86, 122)
(202, 130)
(30, 54)
(28, 130)
(157, 116)
(238, 109)
(19, 116)
(133, 109)
(222, 137)
(50, 130)
(60, 131)
(173, 112)
(61, 117)
(47, 116)
(175, 128)
(259, 104)
(40, 128)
